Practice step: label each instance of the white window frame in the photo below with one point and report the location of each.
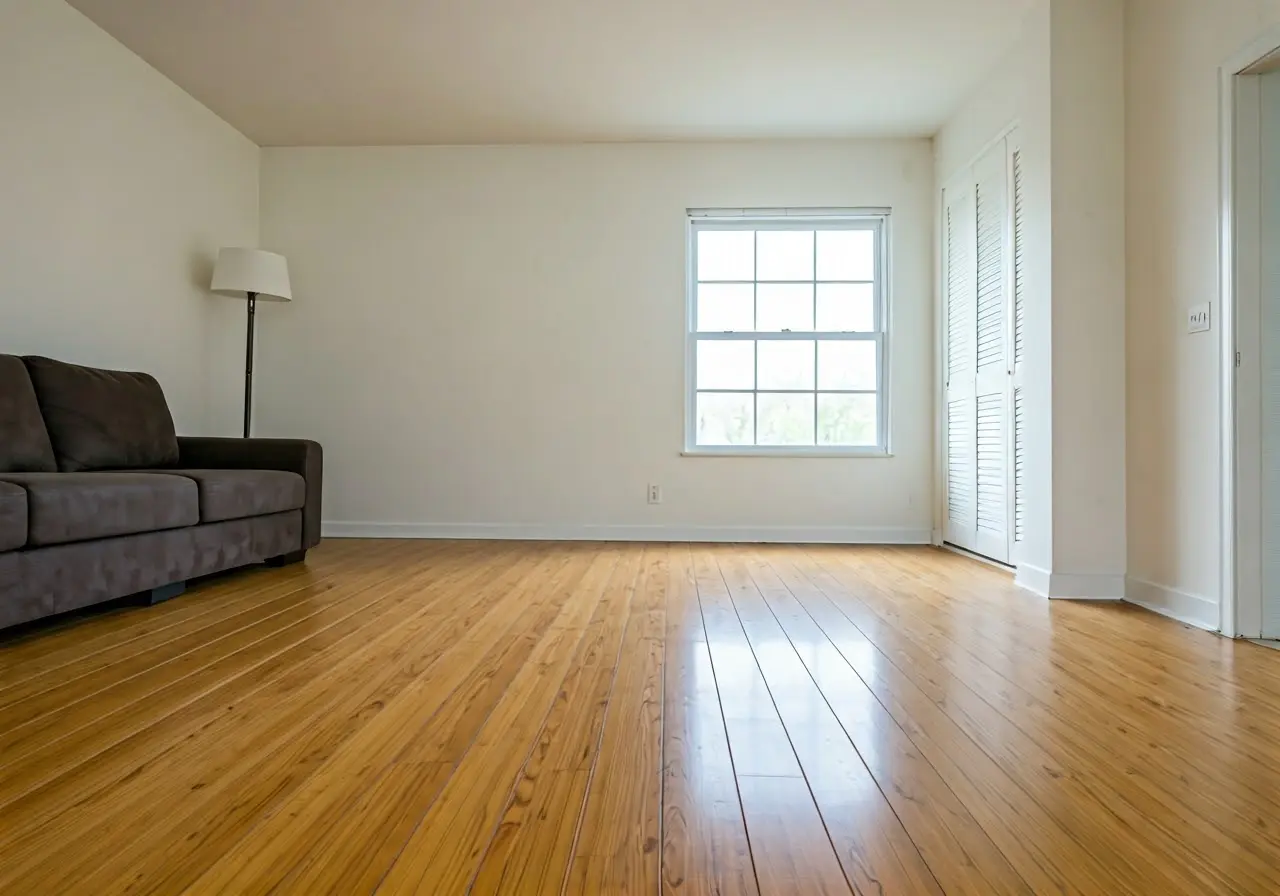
(874, 219)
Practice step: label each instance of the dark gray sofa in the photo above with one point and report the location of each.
(100, 499)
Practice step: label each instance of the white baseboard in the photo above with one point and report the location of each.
(1069, 586)
(540, 532)
(1202, 612)
(1033, 579)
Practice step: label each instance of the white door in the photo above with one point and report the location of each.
(960, 245)
(980, 280)
(1270, 354)
(1017, 328)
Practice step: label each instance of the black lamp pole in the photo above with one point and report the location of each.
(250, 273)
(248, 365)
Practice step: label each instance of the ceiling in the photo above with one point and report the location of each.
(352, 72)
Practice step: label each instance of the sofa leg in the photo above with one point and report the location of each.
(287, 559)
(167, 592)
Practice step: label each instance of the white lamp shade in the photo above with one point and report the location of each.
(241, 271)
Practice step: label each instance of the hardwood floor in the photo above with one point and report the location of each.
(440, 718)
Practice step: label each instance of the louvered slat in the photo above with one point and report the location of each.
(990, 264)
(1019, 284)
(959, 460)
(1019, 465)
(959, 294)
(991, 463)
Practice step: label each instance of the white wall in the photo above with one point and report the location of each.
(116, 189)
(1008, 95)
(485, 338)
(1173, 51)
(1088, 133)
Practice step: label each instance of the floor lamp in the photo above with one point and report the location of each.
(252, 274)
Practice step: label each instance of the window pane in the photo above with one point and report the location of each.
(786, 365)
(846, 254)
(847, 420)
(726, 365)
(785, 255)
(726, 418)
(723, 307)
(785, 419)
(847, 365)
(726, 255)
(846, 307)
(784, 306)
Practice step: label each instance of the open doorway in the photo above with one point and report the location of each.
(1250, 328)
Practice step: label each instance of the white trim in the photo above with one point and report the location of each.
(1069, 586)
(879, 222)
(939, 366)
(792, 336)
(1192, 609)
(674, 533)
(1226, 334)
(802, 451)
(796, 215)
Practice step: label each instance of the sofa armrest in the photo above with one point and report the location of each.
(290, 455)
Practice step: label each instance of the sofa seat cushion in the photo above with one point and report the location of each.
(13, 517)
(103, 419)
(24, 440)
(68, 507)
(239, 494)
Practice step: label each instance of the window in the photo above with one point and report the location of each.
(786, 333)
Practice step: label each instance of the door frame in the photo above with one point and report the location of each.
(1239, 306)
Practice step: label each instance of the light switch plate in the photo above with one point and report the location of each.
(1198, 320)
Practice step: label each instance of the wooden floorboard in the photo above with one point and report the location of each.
(494, 718)
(619, 836)
(704, 849)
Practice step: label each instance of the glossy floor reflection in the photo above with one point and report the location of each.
(439, 718)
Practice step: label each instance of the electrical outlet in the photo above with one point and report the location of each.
(1198, 319)
(655, 494)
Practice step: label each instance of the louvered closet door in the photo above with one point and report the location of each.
(1018, 327)
(960, 244)
(979, 261)
(994, 355)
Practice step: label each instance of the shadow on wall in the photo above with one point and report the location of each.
(200, 270)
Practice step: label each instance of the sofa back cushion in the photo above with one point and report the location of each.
(24, 441)
(103, 419)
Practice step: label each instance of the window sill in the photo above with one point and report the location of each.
(790, 453)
